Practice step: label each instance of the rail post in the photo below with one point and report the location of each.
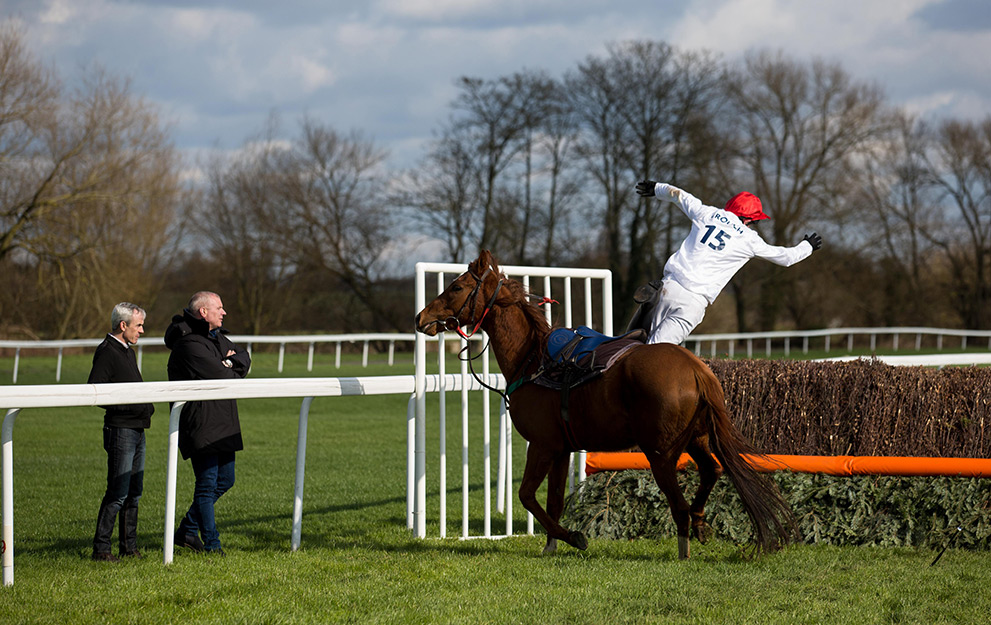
(297, 506)
(168, 543)
(7, 546)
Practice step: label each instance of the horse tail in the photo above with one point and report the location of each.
(773, 522)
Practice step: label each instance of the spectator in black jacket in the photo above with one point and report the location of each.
(123, 434)
(209, 431)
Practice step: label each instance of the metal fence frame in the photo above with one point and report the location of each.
(417, 440)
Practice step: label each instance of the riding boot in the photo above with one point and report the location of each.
(129, 532)
(647, 292)
(646, 298)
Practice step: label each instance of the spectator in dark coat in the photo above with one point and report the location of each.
(123, 434)
(209, 431)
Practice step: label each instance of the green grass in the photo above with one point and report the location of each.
(359, 564)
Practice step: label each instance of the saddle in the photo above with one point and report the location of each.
(586, 350)
(575, 357)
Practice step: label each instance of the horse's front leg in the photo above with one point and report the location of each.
(557, 484)
(538, 463)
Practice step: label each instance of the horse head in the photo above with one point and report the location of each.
(465, 301)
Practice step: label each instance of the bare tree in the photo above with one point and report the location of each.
(338, 219)
(556, 137)
(241, 217)
(596, 97)
(670, 107)
(963, 168)
(497, 176)
(493, 116)
(540, 115)
(88, 185)
(900, 198)
(645, 71)
(444, 194)
(29, 156)
(801, 128)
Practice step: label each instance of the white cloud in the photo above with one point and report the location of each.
(203, 26)
(731, 27)
(930, 102)
(312, 74)
(452, 11)
(373, 44)
(885, 41)
(820, 28)
(959, 104)
(430, 9)
(60, 12)
(387, 67)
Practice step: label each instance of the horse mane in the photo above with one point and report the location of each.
(534, 315)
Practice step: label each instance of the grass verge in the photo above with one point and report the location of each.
(358, 563)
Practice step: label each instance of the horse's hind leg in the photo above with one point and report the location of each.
(557, 483)
(709, 472)
(665, 470)
(538, 464)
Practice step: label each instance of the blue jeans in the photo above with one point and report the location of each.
(214, 477)
(125, 449)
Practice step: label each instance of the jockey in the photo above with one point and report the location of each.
(718, 245)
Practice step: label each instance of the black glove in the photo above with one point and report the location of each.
(645, 188)
(814, 240)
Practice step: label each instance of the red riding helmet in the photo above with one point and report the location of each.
(746, 206)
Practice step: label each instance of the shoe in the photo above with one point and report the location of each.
(190, 542)
(216, 552)
(131, 554)
(104, 556)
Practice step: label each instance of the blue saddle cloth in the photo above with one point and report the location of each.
(565, 344)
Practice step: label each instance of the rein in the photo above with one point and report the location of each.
(469, 359)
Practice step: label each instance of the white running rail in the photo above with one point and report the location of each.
(14, 399)
(828, 339)
(312, 340)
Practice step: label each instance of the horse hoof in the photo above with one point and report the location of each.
(551, 547)
(578, 540)
(703, 532)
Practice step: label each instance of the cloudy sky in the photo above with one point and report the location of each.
(218, 68)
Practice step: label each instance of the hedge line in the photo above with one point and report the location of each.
(860, 510)
(859, 408)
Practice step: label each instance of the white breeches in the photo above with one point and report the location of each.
(677, 313)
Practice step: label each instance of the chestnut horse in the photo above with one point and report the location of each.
(658, 397)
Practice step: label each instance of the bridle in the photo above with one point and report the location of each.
(453, 322)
